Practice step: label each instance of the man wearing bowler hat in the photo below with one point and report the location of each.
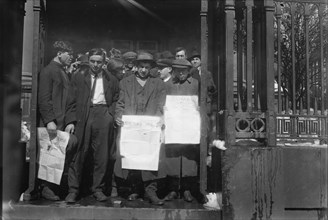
(196, 72)
(141, 94)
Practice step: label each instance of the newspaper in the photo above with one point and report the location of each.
(182, 120)
(52, 154)
(140, 142)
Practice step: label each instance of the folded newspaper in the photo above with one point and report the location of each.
(52, 144)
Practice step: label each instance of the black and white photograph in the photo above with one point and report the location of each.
(164, 109)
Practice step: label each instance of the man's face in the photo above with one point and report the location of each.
(119, 73)
(196, 62)
(164, 72)
(129, 63)
(96, 62)
(181, 55)
(65, 58)
(143, 69)
(181, 73)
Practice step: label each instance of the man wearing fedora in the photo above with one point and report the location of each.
(141, 94)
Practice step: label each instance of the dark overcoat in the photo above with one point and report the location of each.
(136, 100)
(210, 87)
(150, 101)
(52, 95)
(79, 98)
(182, 158)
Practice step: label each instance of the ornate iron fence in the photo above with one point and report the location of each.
(273, 63)
(301, 58)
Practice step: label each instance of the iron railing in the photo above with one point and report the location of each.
(301, 57)
(278, 53)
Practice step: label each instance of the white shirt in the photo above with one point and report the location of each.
(99, 96)
(167, 79)
(200, 70)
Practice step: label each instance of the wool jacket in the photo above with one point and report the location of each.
(52, 95)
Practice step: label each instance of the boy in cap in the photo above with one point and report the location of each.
(181, 158)
(129, 59)
(140, 94)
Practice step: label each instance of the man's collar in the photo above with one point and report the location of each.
(57, 63)
(94, 74)
(176, 80)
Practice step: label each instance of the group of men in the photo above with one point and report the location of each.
(89, 102)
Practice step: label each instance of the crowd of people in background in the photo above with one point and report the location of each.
(87, 98)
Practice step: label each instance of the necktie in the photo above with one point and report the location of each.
(93, 87)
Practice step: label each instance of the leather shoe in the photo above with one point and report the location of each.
(187, 196)
(133, 197)
(71, 198)
(100, 196)
(48, 194)
(171, 196)
(151, 196)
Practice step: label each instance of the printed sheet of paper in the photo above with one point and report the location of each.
(182, 120)
(52, 154)
(140, 142)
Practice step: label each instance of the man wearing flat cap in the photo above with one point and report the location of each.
(182, 158)
(129, 59)
(141, 94)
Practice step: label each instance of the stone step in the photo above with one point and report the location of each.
(136, 210)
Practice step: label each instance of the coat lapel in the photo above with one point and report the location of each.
(105, 82)
(87, 79)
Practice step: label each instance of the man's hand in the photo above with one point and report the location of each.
(119, 122)
(51, 126)
(70, 128)
(73, 67)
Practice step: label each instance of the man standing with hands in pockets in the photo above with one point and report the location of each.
(94, 92)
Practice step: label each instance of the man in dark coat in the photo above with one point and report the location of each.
(52, 100)
(94, 93)
(196, 72)
(182, 159)
(141, 94)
